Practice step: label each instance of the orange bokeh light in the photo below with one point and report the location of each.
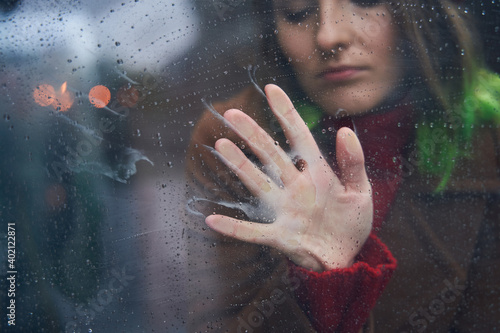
(99, 96)
(64, 99)
(46, 95)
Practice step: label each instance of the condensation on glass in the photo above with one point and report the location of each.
(110, 111)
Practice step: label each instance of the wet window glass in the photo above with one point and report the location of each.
(250, 166)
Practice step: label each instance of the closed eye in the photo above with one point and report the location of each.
(297, 14)
(296, 17)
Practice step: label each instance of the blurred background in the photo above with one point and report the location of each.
(98, 99)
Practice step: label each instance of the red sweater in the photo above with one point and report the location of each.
(340, 300)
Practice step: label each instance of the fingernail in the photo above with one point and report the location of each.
(351, 142)
(278, 100)
(243, 127)
(230, 152)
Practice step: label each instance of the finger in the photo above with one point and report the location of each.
(262, 145)
(294, 127)
(252, 232)
(351, 161)
(212, 175)
(255, 180)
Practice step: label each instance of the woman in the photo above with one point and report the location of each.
(406, 80)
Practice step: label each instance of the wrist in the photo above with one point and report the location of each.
(338, 263)
(320, 261)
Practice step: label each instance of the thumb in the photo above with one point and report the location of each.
(351, 161)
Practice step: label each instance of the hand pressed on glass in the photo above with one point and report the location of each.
(321, 220)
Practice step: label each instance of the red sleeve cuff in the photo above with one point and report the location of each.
(340, 300)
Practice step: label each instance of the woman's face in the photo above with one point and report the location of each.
(341, 50)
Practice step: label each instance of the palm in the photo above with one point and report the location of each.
(321, 220)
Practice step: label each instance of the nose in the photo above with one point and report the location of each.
(335, 31)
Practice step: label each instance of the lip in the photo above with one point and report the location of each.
(341, 73)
